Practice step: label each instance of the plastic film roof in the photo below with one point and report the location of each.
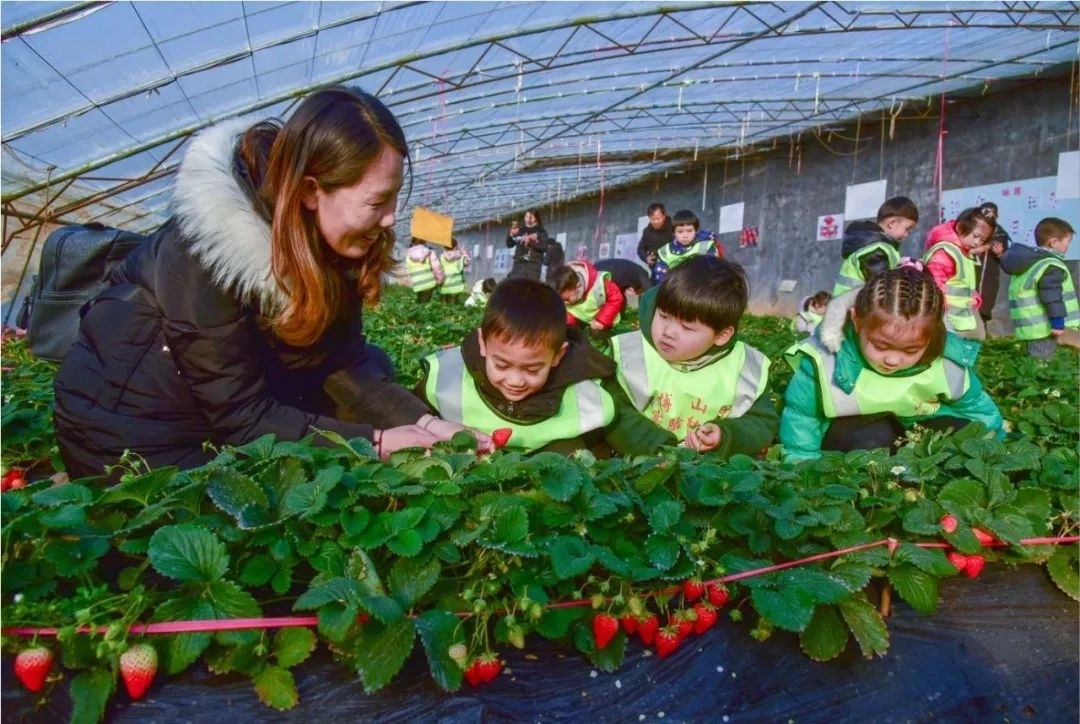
(505, 104)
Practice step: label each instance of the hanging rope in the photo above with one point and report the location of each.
(600, 211)
(939, 163)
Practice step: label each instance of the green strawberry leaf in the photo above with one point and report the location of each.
(1064, 571)
(789, 609)
(292, 646)
(90, 692)
(570, 557)
(826, 636)
(819, 585)
(58, 495)
(439, 630)
(663, 550)
(304, 500)
(276, 687)
(511, 526)
(232, 491)
(930, 560)
(866, 624)
(187, 552)
(381, 651)
(917, 587)
(410, 579)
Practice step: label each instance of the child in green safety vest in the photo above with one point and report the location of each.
(425, 271)
(453, 261)
(1042, 295)
(950, 259)
(685, 370)
(690, 241)
(592, 298)
(896, 367)
(809, 315)
(521, 370)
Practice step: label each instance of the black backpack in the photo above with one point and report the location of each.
(75, 265)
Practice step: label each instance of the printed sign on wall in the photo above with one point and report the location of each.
(830, 227)
(863, 200)
(1021, 205)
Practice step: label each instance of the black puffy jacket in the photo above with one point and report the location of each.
(176, 352)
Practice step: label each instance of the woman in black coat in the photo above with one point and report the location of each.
(529, 242)
(241, 316)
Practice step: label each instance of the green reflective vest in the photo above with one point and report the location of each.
(1028, 314)
(918, 395)
(960, 290)
(678, 400)
(454, 275)
(669, 256)
(851, 276)
(420, 274)
(450, 389)
(810, 319)
(586, 309)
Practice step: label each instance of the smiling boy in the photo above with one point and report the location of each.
(520, 370)
(686, 371)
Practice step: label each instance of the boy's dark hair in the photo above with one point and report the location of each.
(705, 289)
(488, 286)
(900, 206)
(563, 278)
(684, 217)
(969, 219)
(1051, 228)
(655, 207)
(818, 298)
(908, 293)
(526, 311)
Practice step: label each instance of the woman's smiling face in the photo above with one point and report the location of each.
(351, 218)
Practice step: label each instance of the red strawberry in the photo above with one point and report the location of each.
(958, 559)
(949, 523)
(629, 623)
(488, 667)
(604, 627)
(692, 589)
(984, 537)
(974, 566)
(706, 617)
(11, 477)
(667, 641)
(138, 665)
(647, 628)
(500, 437)
(32, 666)
(683, 622)
(472, 673)
(718, 594)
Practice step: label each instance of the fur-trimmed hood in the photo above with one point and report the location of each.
(216, 212)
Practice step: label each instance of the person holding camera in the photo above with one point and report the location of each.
(529, 241)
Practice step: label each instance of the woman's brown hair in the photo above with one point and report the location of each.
(334, 136)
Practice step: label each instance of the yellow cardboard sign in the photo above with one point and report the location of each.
(431, 226)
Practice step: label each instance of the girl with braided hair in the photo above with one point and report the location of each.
(895, 367)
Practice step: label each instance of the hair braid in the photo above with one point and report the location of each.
(904, 293)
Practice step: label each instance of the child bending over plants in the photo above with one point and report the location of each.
(522, 371)
(891, 366)
(687, 372)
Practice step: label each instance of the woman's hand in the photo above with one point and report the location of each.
(704, 437)
(445, 429)
(397, 438)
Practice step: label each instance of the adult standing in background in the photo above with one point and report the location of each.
(656, 234)
(241, 316)
(529, 242)
(990, 261)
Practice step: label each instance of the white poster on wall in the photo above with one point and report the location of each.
(830, 227)
(561, 238)
(863, 200)
(626, 246)
(642, 222)
(1021, 205)
(731, 218)
(503, 260)
(476, 251)
(490, 251)
(1068, 175)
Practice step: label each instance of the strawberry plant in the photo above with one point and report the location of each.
(465, 554)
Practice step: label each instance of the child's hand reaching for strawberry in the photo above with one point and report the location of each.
(704, 437)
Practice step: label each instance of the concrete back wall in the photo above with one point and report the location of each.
(1014, 134)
